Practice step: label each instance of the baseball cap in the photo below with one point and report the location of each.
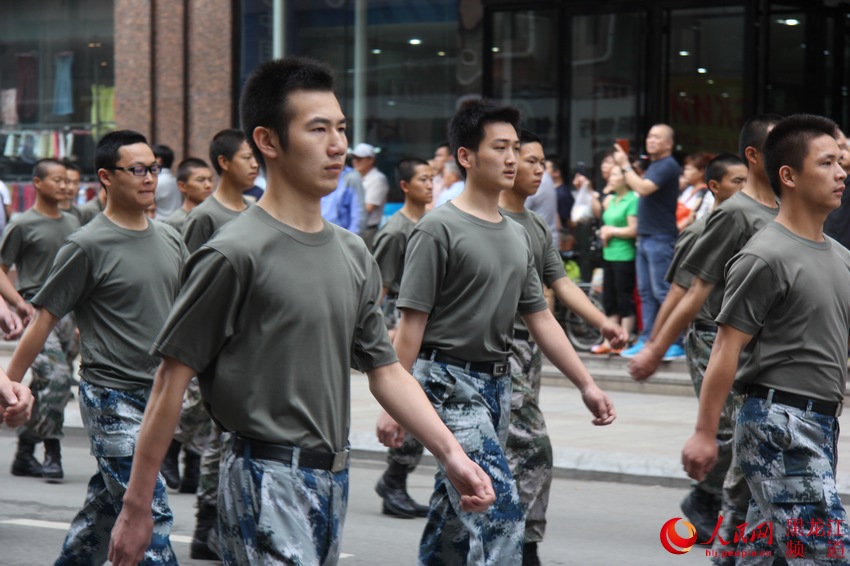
(363, 150)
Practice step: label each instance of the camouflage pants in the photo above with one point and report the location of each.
(275, 513)
(475, 407)
(390, 311)
(407, 455)
(51, 383)
(210, 466)
(529, 449)
(788, 457)
(112, 419)
(193, 428)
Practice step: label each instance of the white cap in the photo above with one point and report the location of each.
(363, 150)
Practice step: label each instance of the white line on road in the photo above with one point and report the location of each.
(64, 527)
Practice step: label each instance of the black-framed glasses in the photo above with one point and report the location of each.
(141, 170)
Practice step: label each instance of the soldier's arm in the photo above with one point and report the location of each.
(8, 292)
(31, 343)
(577, 301)
(131, 534)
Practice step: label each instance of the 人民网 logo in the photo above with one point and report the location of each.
(672, 541)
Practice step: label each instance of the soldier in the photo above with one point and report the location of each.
(194, 179)
(119, 274)
(786, 308)
(30, 242)
(415, 178)
(284, 476)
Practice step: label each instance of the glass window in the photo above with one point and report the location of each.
(526, 64)
(706, 83)
(606, 85)
(57, 81)
(786, 67)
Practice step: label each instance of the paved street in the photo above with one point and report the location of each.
(590, 522)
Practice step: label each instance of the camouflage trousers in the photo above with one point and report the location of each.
(788, 457)
(193, 428)
(112, 419)
(725, 479)
(275, 513)
(407, 455)
(390, 311)
(476, 408)
(52, 378)
(529, 449)
(210, 466)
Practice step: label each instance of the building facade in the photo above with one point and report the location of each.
(583, 73)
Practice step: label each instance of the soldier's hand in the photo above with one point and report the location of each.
(615, 334)
(10, 324)
(599, 404)
(26, 311)
(644, 364)
(131, 536)
(473, 484)
(389, 432)
(699, 455)
(16, 402)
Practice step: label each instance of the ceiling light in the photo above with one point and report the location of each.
(376, 51)
(684, 53)
(415, 41)
(702, 70)
(494, 49)
(441, 53)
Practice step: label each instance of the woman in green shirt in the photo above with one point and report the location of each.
(618, 233)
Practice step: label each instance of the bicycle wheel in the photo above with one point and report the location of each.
(582, 335)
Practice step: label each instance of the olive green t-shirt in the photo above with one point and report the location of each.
(389, 247)
(205, 219)
(547, 260)
(30, 242)
(683, 278)
(273, 319)
(89, 210)
(793, 296)
(729, 227)
(120, 284)
(472, 277)
(177, 219)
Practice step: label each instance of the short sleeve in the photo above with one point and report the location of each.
(553, 265)
(715, 247)
(531, 300)
(424, 272)
(376, 190)
(389, 253)
(676, 273)
(752, 289)
(372, 347)
(10, 247)
(196, 231)
(204, 315)
(632, 206)
(69, 282)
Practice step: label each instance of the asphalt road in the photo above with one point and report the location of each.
(590, 523)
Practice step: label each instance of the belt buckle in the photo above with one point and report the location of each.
(340, 461)
(839, 409)
(500, 369)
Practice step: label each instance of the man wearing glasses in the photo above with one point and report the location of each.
(119, 274)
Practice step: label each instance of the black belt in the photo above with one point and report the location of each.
(333, 461)
(496, 369)
(705, 327)
(830, 409)
(522, 335)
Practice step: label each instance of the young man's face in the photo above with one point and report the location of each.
(198, 186)
(72, 185)
(125, 190)
(419, 188)
(820, 182)
(52, 186)
(732, 181)
(242, 169)
(529, 170)
(494, 164)
(317, 142)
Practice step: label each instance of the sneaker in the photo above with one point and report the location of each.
(632, 351)
(674, 352)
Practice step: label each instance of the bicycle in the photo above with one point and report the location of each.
(582, 335)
